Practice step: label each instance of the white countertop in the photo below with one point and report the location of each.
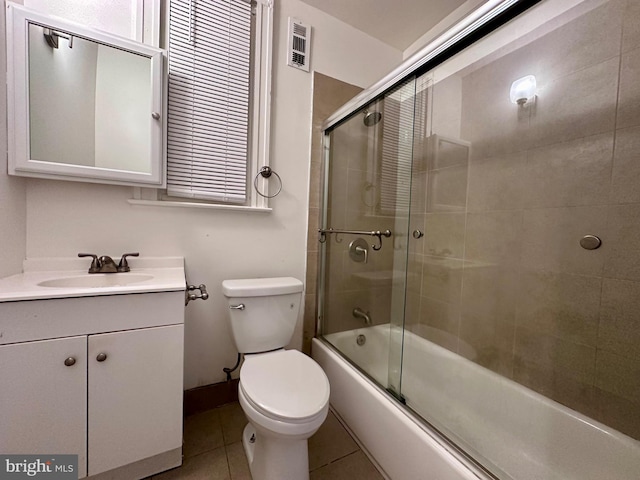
(167, 275)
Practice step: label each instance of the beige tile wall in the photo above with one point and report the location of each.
(328, 95)
(507, 275)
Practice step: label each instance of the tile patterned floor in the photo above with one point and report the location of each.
(213, 450)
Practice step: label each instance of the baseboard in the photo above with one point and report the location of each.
(205, 398)
(143, 468)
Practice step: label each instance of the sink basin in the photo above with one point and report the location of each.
(96, 280)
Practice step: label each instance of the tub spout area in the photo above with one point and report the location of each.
(359, 313)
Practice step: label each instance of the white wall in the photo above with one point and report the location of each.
(12, 189)
(64, 218)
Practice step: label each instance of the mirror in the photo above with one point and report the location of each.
(83, 105)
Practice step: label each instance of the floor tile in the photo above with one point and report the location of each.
(213, 450)
(353, 467)
(202, 432)
(331, 442)
(237, 460)
(233, 421)
(210, 465)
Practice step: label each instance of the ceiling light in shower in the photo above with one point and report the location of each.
(523, 90)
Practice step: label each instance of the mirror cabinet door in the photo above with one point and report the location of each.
(83, 105)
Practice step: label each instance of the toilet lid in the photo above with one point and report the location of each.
(285, 384)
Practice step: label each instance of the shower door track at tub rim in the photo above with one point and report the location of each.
(466, 459)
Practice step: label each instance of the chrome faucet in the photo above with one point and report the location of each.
(105, 263)
(359, 313)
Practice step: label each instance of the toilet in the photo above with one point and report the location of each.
(284, 393)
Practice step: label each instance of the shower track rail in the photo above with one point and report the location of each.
(373, 233)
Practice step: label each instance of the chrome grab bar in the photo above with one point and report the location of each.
(374, 233)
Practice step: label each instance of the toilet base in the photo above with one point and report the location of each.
(273, 458)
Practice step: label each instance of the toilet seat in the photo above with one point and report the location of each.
(285, 385)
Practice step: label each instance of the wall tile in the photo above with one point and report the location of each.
(569, 174)
(444, 234)
(419, 190)
(576, 105)
(490, 291)
(412, 310)
(339, 307)
(315, 176)
(491, 341)
(570, 359)
(313, 244)
(618, 375)
(496, 183)
(447, 189)
(560, 305)
(338, 190)
(488, 315)
(556, 385)
(442, 279)
(494, 237)
(629, 94)
(443, 318)
(493, 124)
(447, 152)
(617, 412)
(590, 39)
(623, 242)
(414, 273)
(631, 26)
(311, 280)
(361, 196)
(309, 322)
(619, 330)
(551, 239)
(625, 176)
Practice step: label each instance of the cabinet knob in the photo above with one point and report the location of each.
(70, 361)
(101, 357)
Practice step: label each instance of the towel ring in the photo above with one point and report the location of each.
(266, 172)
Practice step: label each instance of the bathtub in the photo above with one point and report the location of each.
(526, 435)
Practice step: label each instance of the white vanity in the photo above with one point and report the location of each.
(94, 367)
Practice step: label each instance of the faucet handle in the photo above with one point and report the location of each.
(123, 266)
(95, 263)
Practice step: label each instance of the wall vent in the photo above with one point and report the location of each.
(299, 42)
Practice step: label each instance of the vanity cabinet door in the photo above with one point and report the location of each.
(43, 402)
(135, 395)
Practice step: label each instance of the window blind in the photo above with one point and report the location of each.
(397, 150)
(208, 112)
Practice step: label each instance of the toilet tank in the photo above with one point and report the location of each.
(263, 311)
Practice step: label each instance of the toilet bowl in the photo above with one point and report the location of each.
(283, 393)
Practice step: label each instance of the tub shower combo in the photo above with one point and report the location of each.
(478, 309)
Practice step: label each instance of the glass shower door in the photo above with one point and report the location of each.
(522, 299)
(368, 168)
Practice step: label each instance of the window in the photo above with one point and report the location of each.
(218, 112)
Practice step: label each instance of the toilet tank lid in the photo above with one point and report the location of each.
(261, 287)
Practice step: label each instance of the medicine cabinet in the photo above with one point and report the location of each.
(83, 104)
